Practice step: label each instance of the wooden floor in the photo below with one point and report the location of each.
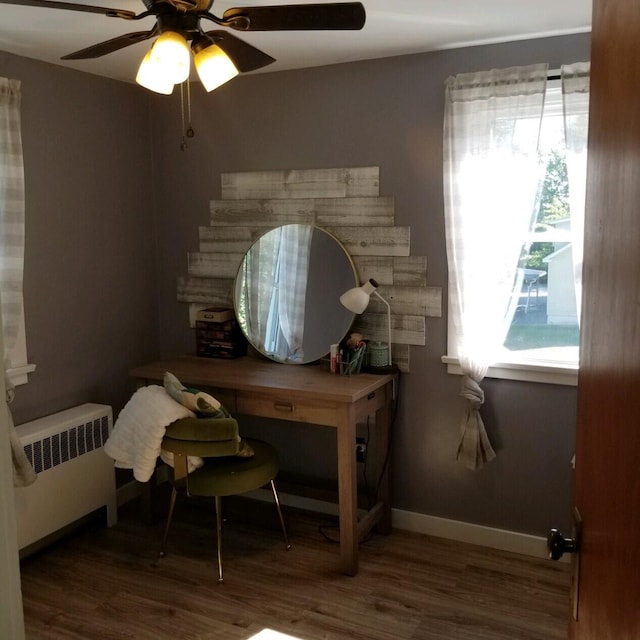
(107, 583)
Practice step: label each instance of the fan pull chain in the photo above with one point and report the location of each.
(186, 131)
(190, 131)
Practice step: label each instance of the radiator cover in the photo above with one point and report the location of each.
(75, 476)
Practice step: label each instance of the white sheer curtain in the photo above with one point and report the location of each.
(575, 100)
(491, 182)
(12, 247)
(257, 286)
(295, 249)
(273, 290)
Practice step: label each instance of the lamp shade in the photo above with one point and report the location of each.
(151, 76)
(213, 65)
(357, 299)
(171, 52)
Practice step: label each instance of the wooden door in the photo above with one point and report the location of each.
(608, 433)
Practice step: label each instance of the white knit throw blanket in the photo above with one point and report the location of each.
(136, 439)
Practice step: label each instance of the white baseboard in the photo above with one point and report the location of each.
(468, 532)
(457, 530)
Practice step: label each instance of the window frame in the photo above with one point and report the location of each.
(514, 368)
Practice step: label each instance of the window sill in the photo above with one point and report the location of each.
(544, 372)
(19, 375)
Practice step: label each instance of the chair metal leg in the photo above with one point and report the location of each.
(172, 504)
(277, 501)
(219, 537)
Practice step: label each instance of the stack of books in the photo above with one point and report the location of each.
(218, 334)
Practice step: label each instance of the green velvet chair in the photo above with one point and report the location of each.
(229, 468)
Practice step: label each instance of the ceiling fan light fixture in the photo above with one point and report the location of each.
(213, 65)
(170, 52)
(151, 76)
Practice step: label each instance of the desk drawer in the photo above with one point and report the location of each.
(272, 406)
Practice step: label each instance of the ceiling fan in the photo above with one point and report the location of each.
(217, 53)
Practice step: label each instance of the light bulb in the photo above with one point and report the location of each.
(171, 53)
(150, 76)
(213, 65)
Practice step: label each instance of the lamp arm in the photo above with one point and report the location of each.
(388, 325)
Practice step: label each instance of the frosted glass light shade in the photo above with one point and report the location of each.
(151, 76)
(171, 53)
(214, 66)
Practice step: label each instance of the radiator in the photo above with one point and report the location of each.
(75, 476)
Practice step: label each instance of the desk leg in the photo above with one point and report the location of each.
(384, 416)
(348, 491)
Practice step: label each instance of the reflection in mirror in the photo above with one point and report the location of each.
(287, 293)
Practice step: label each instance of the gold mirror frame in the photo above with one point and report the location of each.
(287, 290)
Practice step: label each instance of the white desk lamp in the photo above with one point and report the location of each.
(357, 299)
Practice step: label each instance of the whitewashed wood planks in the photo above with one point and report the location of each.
(343, 201)
(214, 265)
(302, 183)
(261, 213)
(373, 241)
(404, 329)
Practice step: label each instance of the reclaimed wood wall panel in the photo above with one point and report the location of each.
(404, 329)
(214, 265)
(380, 268)
(305, 183)
(408, 271)
(215, 291)
(227, 239)
(261, 213)
(345, 202)
(345, 212)
(323, 212)
(374, 241)
(420, 301)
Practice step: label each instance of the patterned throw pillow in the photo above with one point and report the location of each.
(201, 403)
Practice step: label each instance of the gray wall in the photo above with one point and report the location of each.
(114, 205)
(90, 280)
(387, 113)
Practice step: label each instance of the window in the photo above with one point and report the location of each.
(539, 320)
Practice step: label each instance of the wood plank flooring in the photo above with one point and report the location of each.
(107, 583)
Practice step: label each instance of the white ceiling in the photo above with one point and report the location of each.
(393, 27)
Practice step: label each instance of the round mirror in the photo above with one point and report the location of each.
(287, 293)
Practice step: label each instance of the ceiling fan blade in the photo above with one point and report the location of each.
(245, 56)
(109, 46)
(72, 6)
(297, 17)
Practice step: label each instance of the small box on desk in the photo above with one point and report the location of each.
(218, 334)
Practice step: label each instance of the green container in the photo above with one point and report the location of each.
(378, 354)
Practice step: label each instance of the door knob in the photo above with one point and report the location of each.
(558, 545)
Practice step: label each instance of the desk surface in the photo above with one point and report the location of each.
(254, 374)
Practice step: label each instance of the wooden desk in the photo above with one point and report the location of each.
(310, 394)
